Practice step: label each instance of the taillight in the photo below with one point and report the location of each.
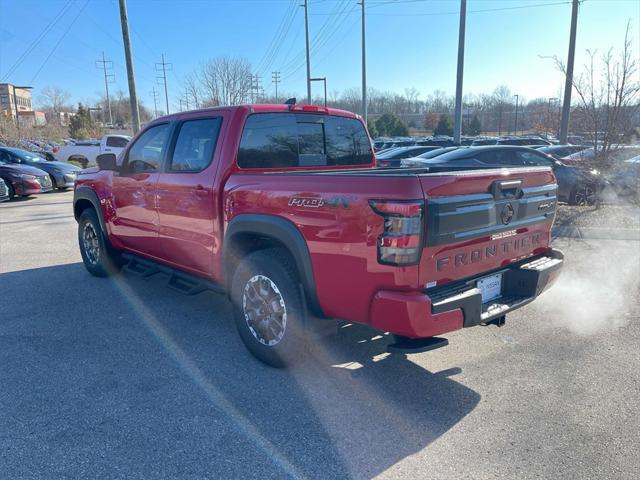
(56, 149)
(401, 241)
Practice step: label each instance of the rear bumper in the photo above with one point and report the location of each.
(459, 304)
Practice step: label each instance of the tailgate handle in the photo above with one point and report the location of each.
(506, 189)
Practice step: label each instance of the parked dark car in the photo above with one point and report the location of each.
(576, 186)
(560, 151)
(478, 142)
(62, 174)
(23, 180)
(417, 160)
(437, 142)
(4, 191)
(523, 141)
(393, 156)
(625, 180)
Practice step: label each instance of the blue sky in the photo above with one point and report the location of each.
(410, 43)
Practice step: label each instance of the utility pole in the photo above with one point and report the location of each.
(568, 84)
(306, 31)
(275, 78)
(108, 78)
(164, 67)
(155, 102)
(364, 66)
(515, 123)
(133, 97)
(323, 80)
(457, 123)
(186, 99)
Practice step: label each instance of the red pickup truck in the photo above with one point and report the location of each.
(282, 208)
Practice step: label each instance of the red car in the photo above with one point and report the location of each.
(23, 180)
(282, 208)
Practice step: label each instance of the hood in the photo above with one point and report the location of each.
(26, 169)
(64, 166)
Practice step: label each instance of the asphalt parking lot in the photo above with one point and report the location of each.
(124, 378)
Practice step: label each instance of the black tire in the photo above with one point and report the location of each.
(278, 339)
(54, 185)
(583, 195)
(97, 255)
(10, 189)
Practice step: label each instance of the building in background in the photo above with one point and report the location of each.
(15, 102)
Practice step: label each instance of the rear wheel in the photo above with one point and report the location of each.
(268, 308)
(583, 195)
(97, 255)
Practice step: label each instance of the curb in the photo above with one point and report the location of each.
(595, 233)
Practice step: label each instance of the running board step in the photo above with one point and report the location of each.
(417, 345)
(176, 280)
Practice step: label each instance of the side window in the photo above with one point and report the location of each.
(4, 156)
(146, 153)
(498, 157)
(195, 145)
(530, 159)
(347, 142)
(117, 142)
(269, 140)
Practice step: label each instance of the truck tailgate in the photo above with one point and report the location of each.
(481, 220)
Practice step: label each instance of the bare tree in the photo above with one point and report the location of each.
(193, 89)
(225, 81)
(608, 95)
(53, 100)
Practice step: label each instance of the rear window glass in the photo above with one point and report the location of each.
(282, 140)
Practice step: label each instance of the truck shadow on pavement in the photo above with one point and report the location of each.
(123, 375)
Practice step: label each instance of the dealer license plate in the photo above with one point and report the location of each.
(490, 287)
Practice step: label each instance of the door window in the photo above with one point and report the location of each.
(531, 159)
(117, 142)
(195, 145)
(146, 153)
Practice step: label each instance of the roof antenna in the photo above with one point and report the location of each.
(291, 101)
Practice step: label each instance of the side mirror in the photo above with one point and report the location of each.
(107, 161)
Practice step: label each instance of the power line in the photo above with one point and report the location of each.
(55, 47)
(275, 78)
(164, 67)
(107, 65)
(39, 38)
(154, 94)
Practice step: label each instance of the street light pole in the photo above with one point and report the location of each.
(364, 66)
(515, 124)
(568, 82)
(15, 104)
(457, 122)
(324, 80)
(306, 31)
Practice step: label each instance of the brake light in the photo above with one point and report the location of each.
(308, 108)
(401, 241)
(56, 149)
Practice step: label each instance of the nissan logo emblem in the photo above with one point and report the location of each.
(507, 214)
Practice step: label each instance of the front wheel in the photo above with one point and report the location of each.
(11, 190)
(97, 255)
(268, 308)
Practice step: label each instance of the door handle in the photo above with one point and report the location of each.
(201, 191)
